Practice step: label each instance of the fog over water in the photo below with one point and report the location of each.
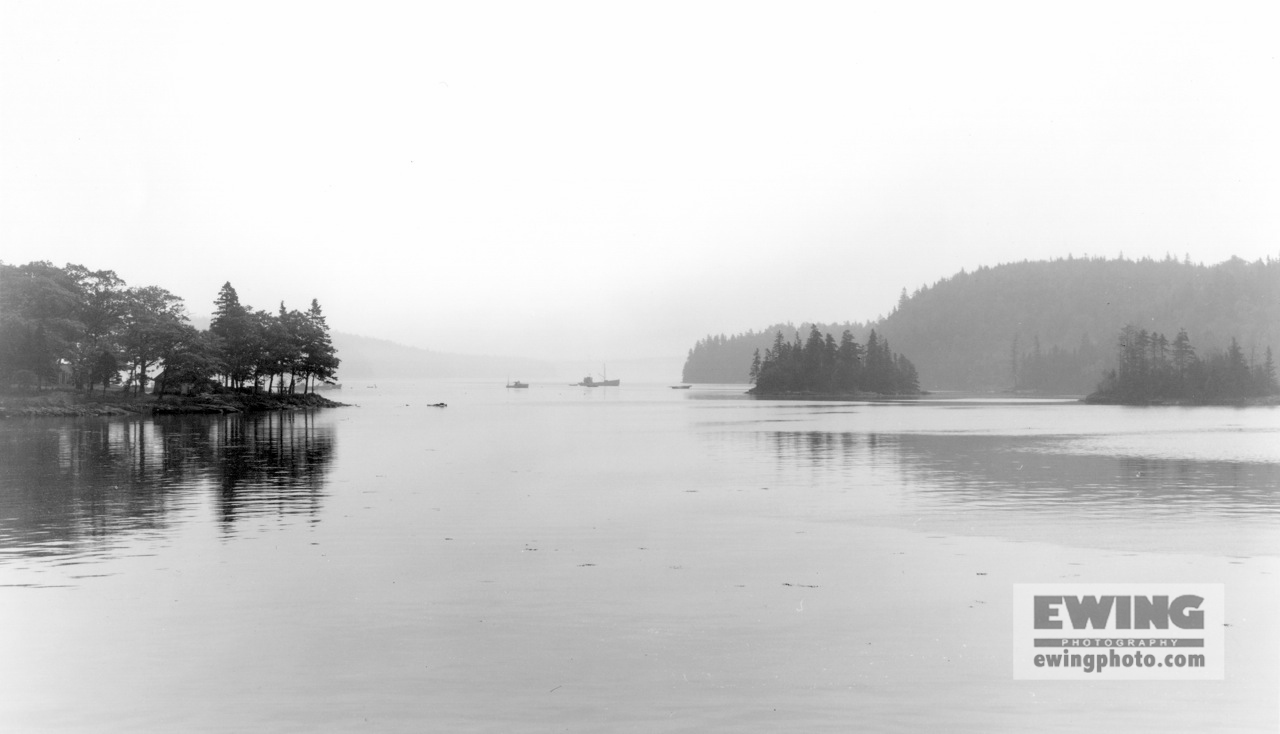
(584, 187)
(574, 181)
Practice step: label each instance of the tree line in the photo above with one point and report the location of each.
(88, 328)
(959, 331)
(1056, 369)
(820, 365)
(1150, 368)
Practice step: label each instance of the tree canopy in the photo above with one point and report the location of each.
(820, 365)
(87, 327)
(980, 329)
(1150, 368)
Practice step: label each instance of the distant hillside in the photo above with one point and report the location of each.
(727, 359)
(1048, 325)
(366, 357)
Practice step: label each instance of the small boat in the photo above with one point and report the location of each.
(589, 381)
(681, 387)
(517, 383)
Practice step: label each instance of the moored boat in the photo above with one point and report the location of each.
(590, 381)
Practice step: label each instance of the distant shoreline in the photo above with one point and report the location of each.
(60, 403)
(835, 396)
(1260, 402)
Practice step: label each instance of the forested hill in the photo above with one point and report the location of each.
(727, 359)
(365, 357)
(369, 358)
(1045, 326)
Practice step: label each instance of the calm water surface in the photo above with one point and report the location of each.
(629, 559)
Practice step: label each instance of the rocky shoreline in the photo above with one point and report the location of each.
(70, 404)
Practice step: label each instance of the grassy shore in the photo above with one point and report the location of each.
(71, 403)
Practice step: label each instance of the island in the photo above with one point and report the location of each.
(75, 341)
(1151, 370)
(819, 367)
(1042, 327)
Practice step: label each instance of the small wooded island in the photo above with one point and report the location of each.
(100, 344)
(821, 368)
(1151, 370)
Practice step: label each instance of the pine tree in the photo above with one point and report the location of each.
(1145, 372)
(238, 336)
(319, 358)
(1262, 377)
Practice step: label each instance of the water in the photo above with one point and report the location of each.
(634, 559)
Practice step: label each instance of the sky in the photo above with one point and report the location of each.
(607, 181)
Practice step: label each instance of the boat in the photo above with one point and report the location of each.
(605, 381)
(590, 381)
(681, 387)
(517, 383)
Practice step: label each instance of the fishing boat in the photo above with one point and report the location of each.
(590, 381)
(605, 381)
(681, 387)
(517, 383)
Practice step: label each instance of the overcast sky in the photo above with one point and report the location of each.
(603, 181)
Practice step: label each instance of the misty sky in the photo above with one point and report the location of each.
(603, 181)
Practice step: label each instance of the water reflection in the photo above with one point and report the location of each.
(1029, 474)
(84, 486)
(271, 465)
(1033, 474)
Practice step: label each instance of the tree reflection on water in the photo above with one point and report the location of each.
(81, 485)
(1030, 473)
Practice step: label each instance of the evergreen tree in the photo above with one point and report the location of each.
(238, 337)
(1184, 358)
(848, 363)
(1265, 377)
(319, 358)
(1148, 369)
(958, 330)
(821, 366)
(89, 324)
(1013, 363)
(282, 347)
(811, 367)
